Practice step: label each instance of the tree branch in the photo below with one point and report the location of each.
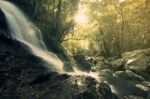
(77, 39)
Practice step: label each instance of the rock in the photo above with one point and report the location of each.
(68, 67)
(99, 59)
(101, 65)
(107, 72)
(136, 53)
(87, 95)
(137, 60)
(89, 59)
(95, 60)
(133, 97)
(148, 96)
(3, 25)
(141, 86)
(148, 68)
(120, 74)
(42, 78)
(105, 90)
(129, 75)
(82, 64)
(145, 83)
(118, 64)
(134, 75)
(23, 74)
(138, 63)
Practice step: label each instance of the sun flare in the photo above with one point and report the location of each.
(120, 1)
(81, 17)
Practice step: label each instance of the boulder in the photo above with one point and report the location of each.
(138, 63)
(3, 22)
(68, 67)
(129, 75)
(133, 97)
(105, 90)
(137, 60)
(118, 64)
(87, 94)
(101, 65)
(82, 64)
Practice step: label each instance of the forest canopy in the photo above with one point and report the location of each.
(92, 27)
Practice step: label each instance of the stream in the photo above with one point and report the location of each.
(124, 86)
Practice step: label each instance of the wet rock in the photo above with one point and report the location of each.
(42, 78)
(94, 60)
(23, 75)
(138, 63)
(118, 64)
(82, 64)
(101, 65)
(129, 75)
(134, 75)
(107, 72)
(143, 87)
(137, 60)
(133, 97)
(148, 96)
(87, 95)
(133, 65)
(148, 68)
(99, 59)
(3, 25)
(68, 67)
(105, 90)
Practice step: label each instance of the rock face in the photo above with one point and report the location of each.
(3, 25)
(118, 64)
(23, 76)
(82, 64)
(138, 60)
(133, 97)
(128, 75)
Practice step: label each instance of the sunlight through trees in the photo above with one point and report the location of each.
(110, 27)
(114, 27)
(81, 18)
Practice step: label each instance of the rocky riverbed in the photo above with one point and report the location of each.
(129, 75)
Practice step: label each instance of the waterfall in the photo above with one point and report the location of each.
(26, 32)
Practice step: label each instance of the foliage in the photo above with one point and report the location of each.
(92, 27)
(115, 26)
(53, 17)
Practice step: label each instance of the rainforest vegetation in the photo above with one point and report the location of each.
(75, 49)
(92, 27)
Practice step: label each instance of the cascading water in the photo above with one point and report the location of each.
(24, 31)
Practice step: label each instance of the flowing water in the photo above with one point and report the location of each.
(24, 31)
(123, 86)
